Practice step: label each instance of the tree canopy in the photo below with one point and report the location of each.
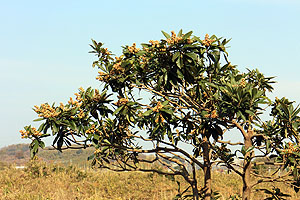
(174, 100)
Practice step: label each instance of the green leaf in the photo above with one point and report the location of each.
(166, 78)
(167, 111)
(73, 125)
(54, 128)
(39, 119)
(41, 127)
(96, 137)
(179, 33)
(166, 34)
(165, 103)
(187, 35)
(147, 113)
(192, 56)
(179, 63)
(102, 68)
(106, 141)
(243, 150)
(249, 149)
(296, 111)
(128, 118)
(175, 56)
(118, 110)
(74, 111)
(249, 112)
(42, 144)
(179, 74)
(31, 154)
(34, 147)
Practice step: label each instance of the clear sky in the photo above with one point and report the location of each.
(44, 44)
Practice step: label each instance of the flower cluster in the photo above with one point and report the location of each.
(154, 43)
(133, 49)
(81, 89)
(291, 148)
(75, 103)
(243, 83)
(158, 107)
(105, 51)
(81, 114)
(62, 106)
(174, 39)
(121, 101)
(213, 114)
(78, 97)
(178, 133)
(143, 60)
(30, 132)
(46, 111)
(207, 41)
(117, 67)
(96, 96)
(102, 76)
(92, 130)
(159, 118)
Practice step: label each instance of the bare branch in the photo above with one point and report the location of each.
(83, 146)
(230, 143)
(239, 127)
(265, 179)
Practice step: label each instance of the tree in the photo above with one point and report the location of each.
(180, 95)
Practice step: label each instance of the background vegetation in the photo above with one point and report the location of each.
(42, 180)
(19, 154)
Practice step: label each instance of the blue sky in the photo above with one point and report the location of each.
(44, 45)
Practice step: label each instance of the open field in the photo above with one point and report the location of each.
(41, 181)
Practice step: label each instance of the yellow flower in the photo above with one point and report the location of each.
(159, 118)
(207, 41)
(102, 76)
(154, 43)
(158, 107)
(81, 114)
(214, 114)
(121, 101)
(37, 109)
(174, 39)
(81, 89)
(133, 49)
(243, 82)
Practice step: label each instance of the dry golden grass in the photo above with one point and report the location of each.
(40, 181)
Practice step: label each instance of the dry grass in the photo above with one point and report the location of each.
(40, 182)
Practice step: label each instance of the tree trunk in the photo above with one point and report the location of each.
(206, 170)
(195, 191)
(247, 169)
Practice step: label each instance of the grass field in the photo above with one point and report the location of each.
(41, 181)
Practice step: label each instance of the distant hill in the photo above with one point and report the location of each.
(19, 154)
(16, 153)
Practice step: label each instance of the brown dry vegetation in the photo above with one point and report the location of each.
(41, 181)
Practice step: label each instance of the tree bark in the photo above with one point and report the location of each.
(194, 183)
(206, 169)
(247, 169)
(195, 191)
